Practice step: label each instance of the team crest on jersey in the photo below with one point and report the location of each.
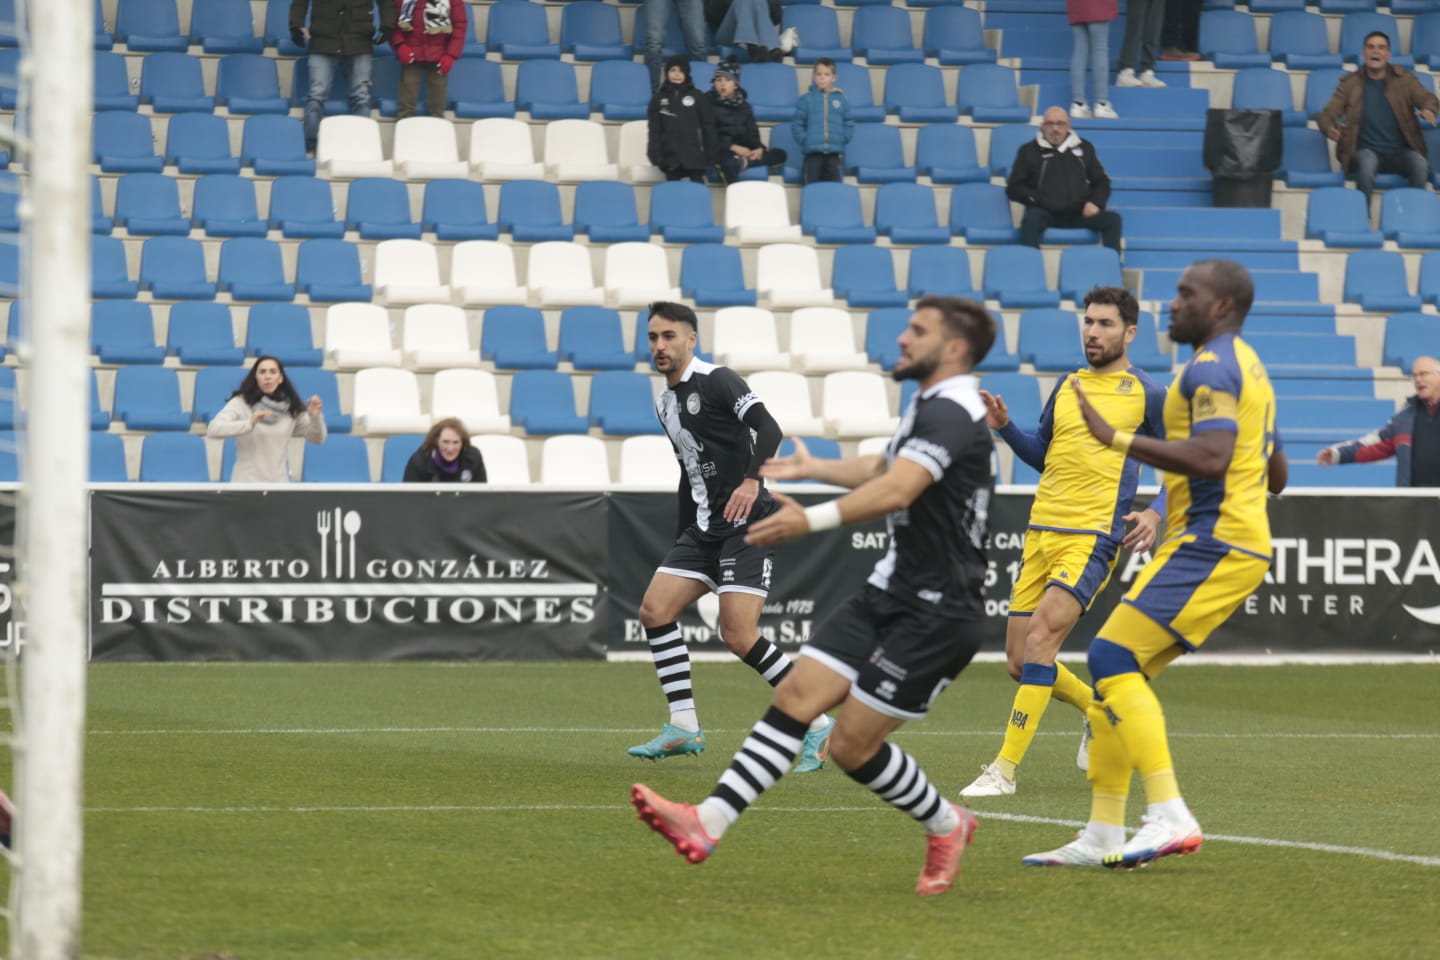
(688, 100)
(1126, 386)
(1204, 403)
(692, 404)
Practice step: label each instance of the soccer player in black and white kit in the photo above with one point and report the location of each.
(709, 413)
(888, 651)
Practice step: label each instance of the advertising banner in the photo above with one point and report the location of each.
(345, 575)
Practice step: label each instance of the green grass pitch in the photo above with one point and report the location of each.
(474, 811)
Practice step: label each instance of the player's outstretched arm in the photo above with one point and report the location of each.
(800, 465)
(1205, 454)
(1279, 472)
(892, 490)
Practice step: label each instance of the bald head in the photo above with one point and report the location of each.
(1055, 125)
(1426, 376)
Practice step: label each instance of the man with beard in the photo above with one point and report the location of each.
(1077, 522)
(709, 413)
(886, 653)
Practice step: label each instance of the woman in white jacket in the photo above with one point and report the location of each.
(262, 416)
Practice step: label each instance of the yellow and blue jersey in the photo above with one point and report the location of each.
(1085, 487)
(1223, 387)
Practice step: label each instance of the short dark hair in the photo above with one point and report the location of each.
(1377, 33)
(675, 313)
(1119, 298)
(825, 62)
(964, 318)
(1232, 281)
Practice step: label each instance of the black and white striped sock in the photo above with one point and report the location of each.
(895, 777)
(767, 660)
(672, 666)
(765, 756)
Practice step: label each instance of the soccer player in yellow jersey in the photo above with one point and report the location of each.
(1077, 523)
(1220, 458)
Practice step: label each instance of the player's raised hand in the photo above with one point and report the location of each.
(787, 523)
(997, 415)
(740, 502)
(314, 406)
(1100, 429)
(1146, 531)
(794, 467)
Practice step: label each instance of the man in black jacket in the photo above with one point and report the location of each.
(1060, 181)
(341, 35)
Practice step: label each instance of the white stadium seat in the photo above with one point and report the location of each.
(745, 339)
(387, 400)
(757, 211)
(575, 150)
(358, 335)
(559, 274)
(435, 336)
(425, 149)
(788, 275)
(470, 395)
(349, 146)
(822, 339)
(856, 405)
(574, 461)
(501, 149)
(649, 461)
(787, 396)
(637, 274)
(482, 274)
(507, 462)
(408, 271)
(634, 157)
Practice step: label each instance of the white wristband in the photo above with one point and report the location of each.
(823, 516)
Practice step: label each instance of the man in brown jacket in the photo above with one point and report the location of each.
(1371, 118)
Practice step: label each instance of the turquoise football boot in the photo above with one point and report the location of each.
(671, 741)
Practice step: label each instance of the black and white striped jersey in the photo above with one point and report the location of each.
(937, 544)
(703, 415)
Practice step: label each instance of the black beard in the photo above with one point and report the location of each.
(918, 370)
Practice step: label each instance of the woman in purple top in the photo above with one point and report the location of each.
(446, 456)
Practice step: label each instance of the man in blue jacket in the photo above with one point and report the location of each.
(1412, 436)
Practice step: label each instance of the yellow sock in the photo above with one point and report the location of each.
(1071, 689)
(1140, 724)
(1109, 772)
(1025, 713)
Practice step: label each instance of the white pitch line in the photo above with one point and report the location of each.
(360, 731)
(1367, 852)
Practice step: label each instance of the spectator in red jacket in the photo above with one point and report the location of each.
(429, 37)
(1412, 436)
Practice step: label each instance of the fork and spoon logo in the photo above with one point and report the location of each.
(339, 523)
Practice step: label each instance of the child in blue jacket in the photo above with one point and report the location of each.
(822, 125)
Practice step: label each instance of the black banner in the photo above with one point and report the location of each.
(342, 575)
(12, 631)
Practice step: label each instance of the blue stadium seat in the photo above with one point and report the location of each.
(546, 89)
(100, 222)
(225, 207)
(619, 89)
(282, 330)
(122, 332)
(1050, 340)
(1340, 217)
(477, 89)
(882, 335)
(148, 398)
(9, 84)
(622, 404)
(9, 266)
(1306, 160)
(202, 334)
(1299, 40)
(864, 276)
(396, 454)
(1355, 26)
(1411, 217)
(783, 138)
(146, 25)
(530, 211)
(172, 83)
(173, 268)
(174, 458)
(379, 209)
(819, 31)
(591, 339)
(980, 212)
(277, 28)
(1430, 278)
(385, 87)
(1312, 355)
(1262, 6)
(328, 271)
(1319, 88)
(882, 36)
(1015, 276)
(830, 212)
(946, 153)
(905, 212)
(1145, 348)
(916, 93)
(148, 204)
(712, 275)
(543, 402)
(107, 458)
(275, 146)
(941, 272)
(337, 460)
(109, 274)
(1375, 475)
(1261, 88)
(1228, 38)
(875, 154)
(1323, 419)
(112, 84)
(10, 202)
(224, 26)
(303, 207)
(251, 268)
(455, 210)
(316, 382)
(104, 39)
(605, 212)
(213, 388)
(518, 31)
(1425, 37)
(681, 212)
(513, 338)
(1084, 267)
(248, 83)
(773, 90)
(1409, 336)
(988, 93)
(199, 143)
(822, 447)
(591, 31)
(1005, 142)
(855, 81)
(954, 37)
(1375, 279)
(123, 143)
(1021, 393)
